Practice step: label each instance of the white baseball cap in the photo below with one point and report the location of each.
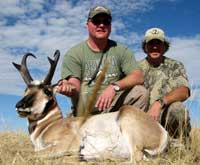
(154, 33)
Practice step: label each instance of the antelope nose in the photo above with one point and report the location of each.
(20, 104)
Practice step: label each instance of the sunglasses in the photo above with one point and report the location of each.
(97, 21)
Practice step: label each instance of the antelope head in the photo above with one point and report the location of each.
(39, 96)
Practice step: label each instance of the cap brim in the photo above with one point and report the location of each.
(103, 13)
(149, 39)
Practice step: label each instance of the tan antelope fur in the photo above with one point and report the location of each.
(127, 133)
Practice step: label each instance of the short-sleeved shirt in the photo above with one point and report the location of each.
(81, 62)
(164, 78)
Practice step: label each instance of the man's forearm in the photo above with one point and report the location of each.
(135, 78)
(178, 94)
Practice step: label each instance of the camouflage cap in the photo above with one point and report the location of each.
(155, 33)
(99, 10)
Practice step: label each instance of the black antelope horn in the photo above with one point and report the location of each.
(53, 63)
(23, 69)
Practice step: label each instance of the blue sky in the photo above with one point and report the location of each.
(42, 26)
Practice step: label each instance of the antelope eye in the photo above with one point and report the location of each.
(47, 92)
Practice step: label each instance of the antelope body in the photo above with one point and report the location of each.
(127, 133)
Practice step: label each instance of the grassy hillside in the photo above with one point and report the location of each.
(16, 149)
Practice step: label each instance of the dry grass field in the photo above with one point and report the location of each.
(16, 149)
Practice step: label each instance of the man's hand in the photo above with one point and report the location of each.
(105, 99)
(154, 111)
(66, 88)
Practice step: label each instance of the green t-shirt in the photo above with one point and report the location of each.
(81, 62)
(161, 80)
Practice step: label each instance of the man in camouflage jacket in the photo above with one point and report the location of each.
(167, 83)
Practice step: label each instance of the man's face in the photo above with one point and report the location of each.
(99, 27)
(155, 48)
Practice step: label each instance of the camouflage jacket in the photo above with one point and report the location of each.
(163, 79)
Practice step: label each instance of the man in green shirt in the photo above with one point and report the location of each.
(167, 83)
(83, 62)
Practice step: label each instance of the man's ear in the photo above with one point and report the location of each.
(55, 89)
(86, 25)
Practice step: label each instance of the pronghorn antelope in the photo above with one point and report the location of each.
(127, 133)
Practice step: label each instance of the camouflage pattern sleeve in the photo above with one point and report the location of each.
(179, 77)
